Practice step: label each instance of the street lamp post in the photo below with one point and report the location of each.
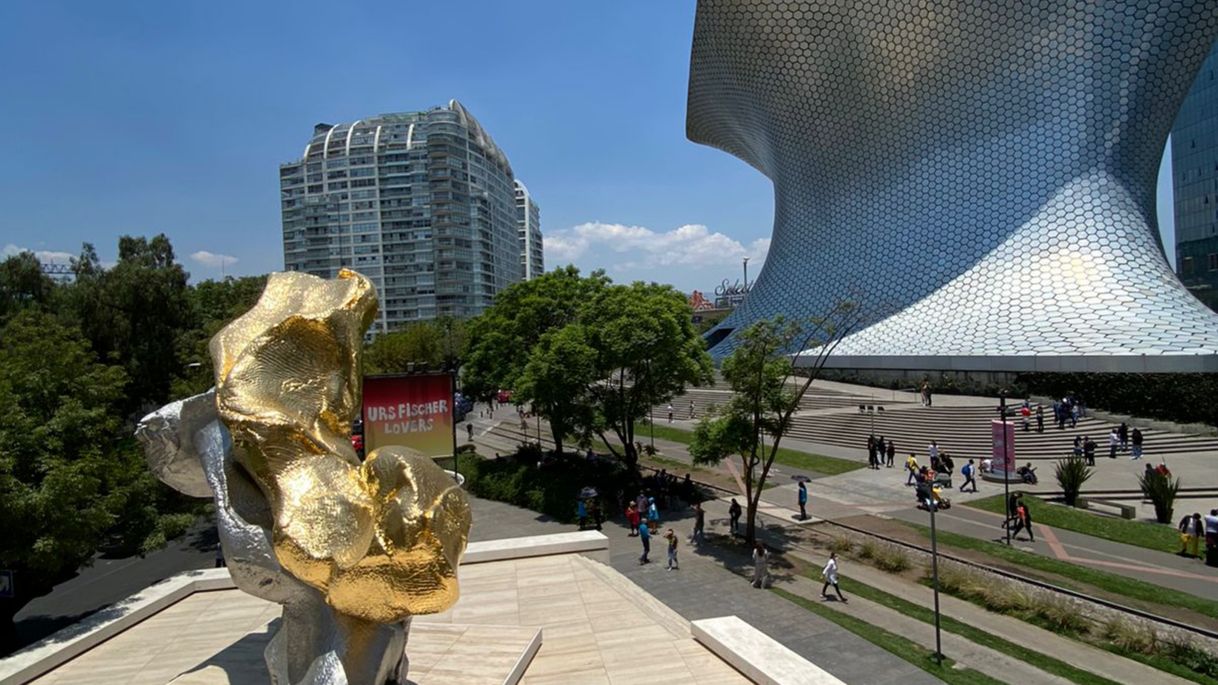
(1006, 467)
(934, 572)
(746, 274)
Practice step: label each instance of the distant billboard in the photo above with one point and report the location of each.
(1003, 433)
(414, 411)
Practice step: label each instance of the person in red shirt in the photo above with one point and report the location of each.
(632, 516)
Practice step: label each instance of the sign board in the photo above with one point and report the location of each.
(414, 411)
(7, 589)
(1004, 445)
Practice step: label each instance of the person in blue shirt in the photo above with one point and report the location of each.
(803, 501)
(645, 536)
(653, 514)
(969, 471)
(581, 510)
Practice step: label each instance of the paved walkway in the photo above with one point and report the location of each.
(704, 588)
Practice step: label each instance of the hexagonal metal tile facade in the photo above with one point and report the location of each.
(983, 172)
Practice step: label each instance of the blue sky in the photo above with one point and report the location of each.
(147, 117)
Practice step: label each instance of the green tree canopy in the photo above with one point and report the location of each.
(437, 344)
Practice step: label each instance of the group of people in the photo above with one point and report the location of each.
(1120, 439)
(1193, 529)
(880, 452)
(1069, 408)
(1019, 517)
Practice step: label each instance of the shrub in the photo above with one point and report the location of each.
(1061, 614)
(891, 559)
(1161, 490)
(1184, 652)
(841, 544)
(869, 549)
(1071, 473)
(551, 489)
(1130, 637)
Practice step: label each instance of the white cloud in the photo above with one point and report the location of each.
(630, 248)
(212, 259)
(47, 256)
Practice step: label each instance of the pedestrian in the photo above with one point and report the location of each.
(653, 513)
(1114, 443)
(469, 430)
(830, 575)
(733, 516)
(691, 410)
(871, 464)
(1023, 519)
(881, 449)
(645, 536)
(632, 517)
(948, 465)
(1074, 415)
(594, 509)
(1211, 538)
(761, 563)
(220, 562)
(1089, 450)
(1078, 446)
(1040, 418)
(699, 524)
(911, 465)
(640, 503)
(1135, 439)
(670, 412)
(1191, 531)
(892, 452)
(581, 511)
(932, 451)
(969, 471)
(803, 501)
(1025, 412)
(1012, 505)
(1123, 434)
(671, 537)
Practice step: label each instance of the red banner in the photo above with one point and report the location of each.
(1004, 445)
(415, 411)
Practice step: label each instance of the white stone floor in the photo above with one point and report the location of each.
(598, 627)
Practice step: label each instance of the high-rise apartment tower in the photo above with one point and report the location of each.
(528, 228)
(422, 203)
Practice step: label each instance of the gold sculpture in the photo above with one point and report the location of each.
(381, 540)
(352, 551)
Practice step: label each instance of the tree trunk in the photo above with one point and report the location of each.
(556, 432)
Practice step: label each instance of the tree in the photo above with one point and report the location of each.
(437, 344)
(1160, 488)
(22, 283)
(763, 399)
(58, 429)
(556, 380)
(213, 304)
(647, 351)
(133, 313)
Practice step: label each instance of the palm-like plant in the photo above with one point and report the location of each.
(1161, 489)
(1071, 473)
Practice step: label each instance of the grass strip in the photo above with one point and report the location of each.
(1154, 536)
(829, 466)
(986, 639)
(1109, 582)
(902, 647)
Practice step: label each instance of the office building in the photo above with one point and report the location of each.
(422, 203)
(1194, 152)
(979, 177)
(528, 227)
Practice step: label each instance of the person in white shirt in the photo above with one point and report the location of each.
(933, 450)
(1114, 443)
(830, 576)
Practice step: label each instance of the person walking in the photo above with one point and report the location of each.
(1135, 440)
(969, 471)
(733, 516)
(1040, 418)
(581, 511)
(699, 533)
(1025, 412)
(1078, 446)
(645, 536)
(892, 452)
(1114, 443)
(653, 513)
(830, 575)
(1074, 415)
(469, 430)
(932, 451)
(1023, 519)
(871, 463)
(1191, 531)
(1089, 450)
(881, 449)
(803, 501)
(1123, 434)
(691, 410)
(670, 412)
(911, 465)
(761, 566)
(632, 517)
(1211, 538)
(671, 537)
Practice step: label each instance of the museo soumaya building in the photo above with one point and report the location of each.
(978, 175)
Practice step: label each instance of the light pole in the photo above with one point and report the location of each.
(934, 572)
(746, 274)
(1006, 466)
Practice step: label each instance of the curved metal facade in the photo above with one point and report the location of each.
(983, 172)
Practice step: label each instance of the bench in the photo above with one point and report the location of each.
(1126, 511)
(757, 655)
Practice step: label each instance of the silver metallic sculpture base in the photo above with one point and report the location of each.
(190, 450)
